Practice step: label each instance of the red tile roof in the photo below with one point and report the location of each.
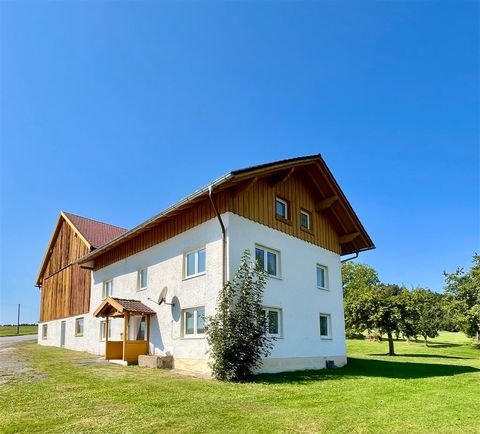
(118, 306)
(95, 232)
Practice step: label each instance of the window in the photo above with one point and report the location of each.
(268, 260)
(305, 220)
(322, 277)
(194, 322)
(107, 289)
(44, 331)
(142, 278)
(103, 327)
(79, 326)
(281, 208)
(141, 329)
(274, 318)
(325, 325)
(195, 263)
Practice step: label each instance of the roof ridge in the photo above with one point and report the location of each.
(93, 220)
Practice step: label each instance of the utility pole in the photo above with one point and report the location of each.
(18, 319)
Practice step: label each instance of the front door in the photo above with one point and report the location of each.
(62, 333)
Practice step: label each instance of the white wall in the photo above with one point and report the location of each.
(165, 264)
(296, 291)
(72, 342)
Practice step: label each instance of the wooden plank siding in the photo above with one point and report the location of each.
(65, 286)
(256, 203)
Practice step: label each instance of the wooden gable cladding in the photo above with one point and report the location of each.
(65, 286)
(179, 222)
(68, 247)
(257, 203)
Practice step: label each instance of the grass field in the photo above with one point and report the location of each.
(423, 390)
(12, 330)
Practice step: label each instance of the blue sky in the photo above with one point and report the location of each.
(115, 110)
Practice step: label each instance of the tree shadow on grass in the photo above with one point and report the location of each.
(425, 356)
(367, 368)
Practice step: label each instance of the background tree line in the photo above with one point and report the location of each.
(393, 310)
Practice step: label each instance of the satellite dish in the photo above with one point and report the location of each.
(162, 298)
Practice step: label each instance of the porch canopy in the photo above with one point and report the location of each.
(126, 349)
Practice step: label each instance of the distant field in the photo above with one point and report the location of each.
(12, 330)
(422, 390)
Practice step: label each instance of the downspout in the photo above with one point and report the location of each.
(349, 259)
(224, 238)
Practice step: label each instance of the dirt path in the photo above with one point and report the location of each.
(12, 365)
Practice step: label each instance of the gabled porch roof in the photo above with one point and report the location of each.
(118, 307)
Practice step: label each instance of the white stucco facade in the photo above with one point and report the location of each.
(293, 294)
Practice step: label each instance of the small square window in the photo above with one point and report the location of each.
(325, 325)
(281, 208)
(273, 321)
(44, 331)
(268, 260)
(195, 262)
(79, 322)
(322, 277)
(305, 220)
(142, 278)
(194, 322)
(107, 289)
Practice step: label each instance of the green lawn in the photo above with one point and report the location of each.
(427, 390)
(12, 330)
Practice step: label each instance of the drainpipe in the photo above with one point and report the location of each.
(224, 237)
(349, 259)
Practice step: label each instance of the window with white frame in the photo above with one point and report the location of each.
(268, 260)
(194, 322)
(325, 325)
(103, 329)
(305, 220)
(44, 331)
(142, 278)
(281, 208)
(195, 262)
(107, 289)
(79, 323)
(322, 277)
(273, 321)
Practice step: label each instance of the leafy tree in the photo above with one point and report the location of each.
(236, 332)
(426, 313)
(371, 305)
(464, 288)
(358, 277)
(358, 282)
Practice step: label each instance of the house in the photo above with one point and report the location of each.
(152, 285)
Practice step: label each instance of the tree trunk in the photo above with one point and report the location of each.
(425, 338)
(391, 349)
(478, 337)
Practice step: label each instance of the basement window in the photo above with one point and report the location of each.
(44, 331)
(79, 322)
